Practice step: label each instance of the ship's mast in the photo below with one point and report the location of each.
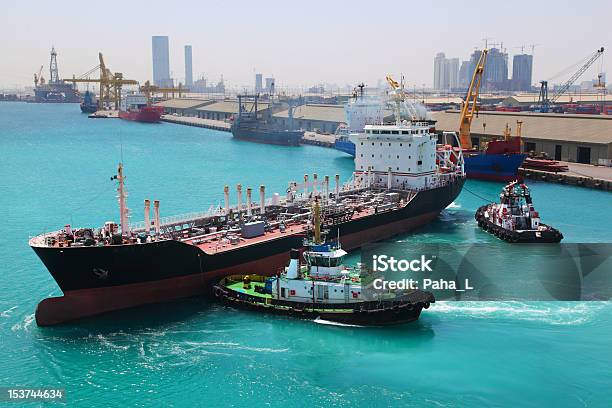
(123, 210)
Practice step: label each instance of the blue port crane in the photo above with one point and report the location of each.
(544, 102)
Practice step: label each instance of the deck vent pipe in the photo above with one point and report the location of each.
(326, 187)
(262, 199)
(156, 210)
(314, 183)
(226, 197)
(305, 185)
(337, 186)
(239, 190)
(147, 215)
(249, 201)
(389, 178)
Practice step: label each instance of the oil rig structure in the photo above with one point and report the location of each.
(54, 90)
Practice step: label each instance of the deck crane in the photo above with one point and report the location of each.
(544, 102)
(470, 106)
(399, 95)
(110, 83)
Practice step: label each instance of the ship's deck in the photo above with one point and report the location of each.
(218, 243)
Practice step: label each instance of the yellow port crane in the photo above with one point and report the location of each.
(150, 90)
(110, 84)
(38, 78)
(470, 105)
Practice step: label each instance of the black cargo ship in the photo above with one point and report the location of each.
(248, 125)
(120, 266)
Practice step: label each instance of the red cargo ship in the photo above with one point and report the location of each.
(138, 108)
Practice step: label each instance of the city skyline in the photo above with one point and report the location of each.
(306, 57)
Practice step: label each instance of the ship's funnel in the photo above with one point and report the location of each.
(147, 215)
(294, 264)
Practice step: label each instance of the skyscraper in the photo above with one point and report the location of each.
(446, 72)
(188, 67)
(161, 61)
(270, 85)
(440, 73)
(452, 66)
(496, 70)
(522, 66)
(465, 76)
(258, 82)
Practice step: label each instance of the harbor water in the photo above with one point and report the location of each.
(55, 169)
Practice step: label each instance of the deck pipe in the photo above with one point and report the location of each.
(262, 199)
(239, 191)
(326, 187)
(305, 185)
(249, 201)
(147, 215)
(156, 211)
(337, 186)
(226, 197)
(314, 183)
(389, 178)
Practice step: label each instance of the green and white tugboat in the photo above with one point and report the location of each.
(322, 288)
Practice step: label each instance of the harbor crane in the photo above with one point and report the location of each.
(38, 78)
(470, 105)
(150, 90)
(544, 102)
(110, 84)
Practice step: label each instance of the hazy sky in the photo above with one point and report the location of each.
(300, 42)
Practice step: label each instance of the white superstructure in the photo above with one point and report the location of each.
(404, 155)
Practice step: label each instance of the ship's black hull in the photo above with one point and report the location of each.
(100, 279)
(368, 313)
(548, 236)
(266, 135)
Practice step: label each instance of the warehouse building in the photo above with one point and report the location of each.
(224, 110)
(573, 138)
(183, 107)
(527, 100)
(312, 117)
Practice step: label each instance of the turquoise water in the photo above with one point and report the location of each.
(55, 167)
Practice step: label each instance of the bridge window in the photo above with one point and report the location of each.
(375, 132)
(405, 132)
(385, 132)
(395, 132)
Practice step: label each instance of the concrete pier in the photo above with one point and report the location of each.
(583, 175)
(197, 122)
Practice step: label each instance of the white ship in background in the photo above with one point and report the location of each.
(362, 110)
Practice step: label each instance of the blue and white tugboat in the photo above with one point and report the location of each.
(322, 288)
(515, 219)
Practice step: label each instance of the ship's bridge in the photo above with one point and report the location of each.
(403, 154)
